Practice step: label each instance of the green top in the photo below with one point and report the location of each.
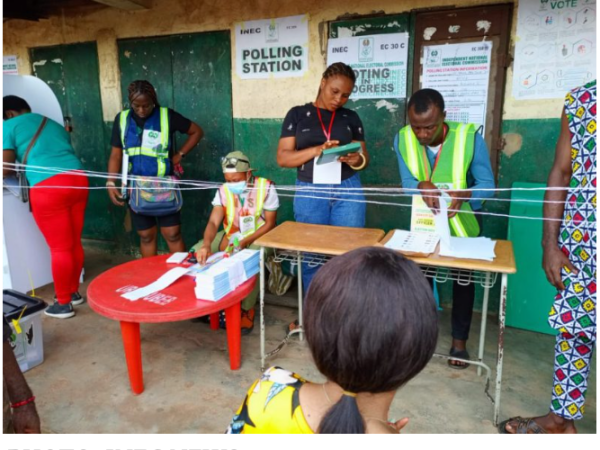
(52, 150)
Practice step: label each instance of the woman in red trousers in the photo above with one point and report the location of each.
(58, 194)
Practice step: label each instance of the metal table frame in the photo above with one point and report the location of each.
(441, 274)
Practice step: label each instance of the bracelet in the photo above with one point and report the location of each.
(182, 155)
(110, 184)
(363, 165)
(23, 403)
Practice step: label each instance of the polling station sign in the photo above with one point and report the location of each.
(379, 62)
(272, 48)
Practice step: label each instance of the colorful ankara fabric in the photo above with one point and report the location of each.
(272, 406)
(574, 311)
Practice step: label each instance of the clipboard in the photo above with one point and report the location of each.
(332, 154)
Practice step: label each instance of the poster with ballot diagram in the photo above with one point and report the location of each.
(272, 48)
(380, 62)
(461, 73)
(555, 47)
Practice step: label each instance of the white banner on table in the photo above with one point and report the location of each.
(272, 48)
(555, 48)
(461, 73)
(379, 61)
(9, 65)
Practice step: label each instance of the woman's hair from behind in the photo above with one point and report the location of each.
(371, 325)
(342, 69)
(13, 103)
(142, 87)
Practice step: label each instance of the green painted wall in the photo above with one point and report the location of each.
(192, 75)
(71, 71)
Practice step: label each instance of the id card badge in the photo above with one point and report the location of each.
(247, 225)
(151, 139)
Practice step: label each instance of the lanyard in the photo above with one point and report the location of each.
(327, 135)
(437, 158)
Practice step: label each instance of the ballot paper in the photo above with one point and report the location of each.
(457, 247)
(162, 283)
(326, 173)
(178, 257)
(413, 242)
(442, 227)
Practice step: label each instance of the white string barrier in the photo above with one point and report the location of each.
(381, 191)
(401, 194)
(82, 172)
(483, 213)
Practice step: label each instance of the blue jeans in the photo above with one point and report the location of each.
(333, 206)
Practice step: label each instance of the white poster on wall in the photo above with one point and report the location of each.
(555, 48)
(379, 61)
(9, 65)
(461, 73)
(269, 48)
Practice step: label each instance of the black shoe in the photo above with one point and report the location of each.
(60, 311)
(76, 299)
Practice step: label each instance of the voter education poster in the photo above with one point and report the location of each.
(380, 62)
(555, 49)
(272, 48)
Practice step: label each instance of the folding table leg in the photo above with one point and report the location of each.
(233, 321)
(502, 320)
(262, 309)
(484, 311)
(300, 321)
(130, 331)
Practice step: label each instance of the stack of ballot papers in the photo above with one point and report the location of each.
(464, 248)
(469, 248)
(226, 275)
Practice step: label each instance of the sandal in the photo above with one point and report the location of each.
(462, 354)
(292, 326)
(524, 426)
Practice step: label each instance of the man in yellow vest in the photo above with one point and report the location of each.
(247, 208)
(438, 156)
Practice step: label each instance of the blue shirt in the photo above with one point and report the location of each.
(479, 175)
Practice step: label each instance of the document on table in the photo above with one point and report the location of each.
(470, 248)
(457, 247)
(162, 283)
(327, 173)
(413, 242)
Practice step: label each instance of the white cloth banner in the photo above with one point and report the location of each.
(272, 48)
(555, 48)
(461, 73)
(380, 62)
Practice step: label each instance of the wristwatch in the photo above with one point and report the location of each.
(182, 154)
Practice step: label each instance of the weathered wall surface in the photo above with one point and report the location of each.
(188, 16)
(530, 127)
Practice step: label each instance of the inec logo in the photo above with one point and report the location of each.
(153, 134)
(272, 34)
(366, 49)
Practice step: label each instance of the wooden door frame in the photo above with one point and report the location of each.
(500, 26)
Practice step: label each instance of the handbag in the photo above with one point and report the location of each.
(23, 183)
(153, 196)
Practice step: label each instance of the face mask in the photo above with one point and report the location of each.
(236, 188)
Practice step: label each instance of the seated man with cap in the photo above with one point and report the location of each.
(247, 207)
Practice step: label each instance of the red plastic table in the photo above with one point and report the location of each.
(177, 302)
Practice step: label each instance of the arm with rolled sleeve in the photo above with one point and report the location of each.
(409, 182)
(481, 173)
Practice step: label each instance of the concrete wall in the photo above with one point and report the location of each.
(184, 16)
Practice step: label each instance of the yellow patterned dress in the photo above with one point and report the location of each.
(272, 406)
